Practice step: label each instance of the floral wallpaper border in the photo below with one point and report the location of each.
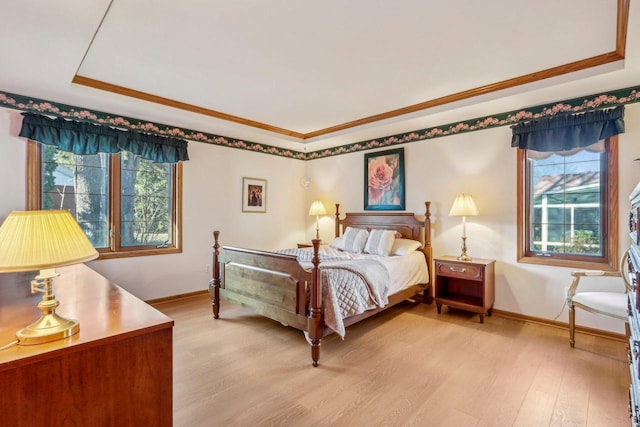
(24, 103)
(576, 105)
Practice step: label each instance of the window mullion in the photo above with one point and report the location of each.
(34, 176)
(114, 202)
(176, 222)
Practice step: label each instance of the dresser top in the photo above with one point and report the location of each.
(105, 311)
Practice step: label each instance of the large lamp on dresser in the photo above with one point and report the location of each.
(43, 240)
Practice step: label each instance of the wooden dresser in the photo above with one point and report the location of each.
(633, 326)
(117, 371)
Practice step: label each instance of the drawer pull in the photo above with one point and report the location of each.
(458, 270)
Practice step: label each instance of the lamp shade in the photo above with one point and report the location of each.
(464, 206)
(317, 209)
(39, 240)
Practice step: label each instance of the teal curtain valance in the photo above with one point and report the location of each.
(87, 138)
(568, 132)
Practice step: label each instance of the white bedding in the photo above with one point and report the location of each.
(353, 283)
(404, 271)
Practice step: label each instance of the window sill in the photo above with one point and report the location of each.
(137, 253)
(558, 262)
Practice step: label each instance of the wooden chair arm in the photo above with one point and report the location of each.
(595, 273)
(588, 273)
(574, 285)
(621, 273)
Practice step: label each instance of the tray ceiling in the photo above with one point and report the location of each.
(301, 69)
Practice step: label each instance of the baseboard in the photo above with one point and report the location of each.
(173, 298)
(561, 325)
(499, 313)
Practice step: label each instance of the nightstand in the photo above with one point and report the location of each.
(467, 285)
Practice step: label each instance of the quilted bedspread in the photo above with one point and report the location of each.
(349, 287)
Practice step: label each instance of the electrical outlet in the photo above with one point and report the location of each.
(207, 268)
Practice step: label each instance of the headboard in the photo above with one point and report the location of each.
(405, 223)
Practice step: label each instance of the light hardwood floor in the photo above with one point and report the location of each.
(407, 366)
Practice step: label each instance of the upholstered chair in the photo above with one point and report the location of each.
(608, 300)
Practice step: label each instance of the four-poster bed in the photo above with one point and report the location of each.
(282, 287)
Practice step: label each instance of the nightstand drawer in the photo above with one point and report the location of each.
(461, 270)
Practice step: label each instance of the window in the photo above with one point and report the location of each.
(127, 206)
(567, 207)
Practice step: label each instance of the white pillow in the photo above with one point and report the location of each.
(355, 239)
(380, 242)
(404, 246)
(338, 243)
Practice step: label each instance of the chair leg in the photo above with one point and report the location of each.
(572, 325)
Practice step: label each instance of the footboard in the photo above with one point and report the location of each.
(273, 285)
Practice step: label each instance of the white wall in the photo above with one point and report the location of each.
(482, 164)
(212, 200)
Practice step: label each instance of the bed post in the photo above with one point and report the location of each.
(426, 296)
(427, 224)
(214, 283)
(315, 320)
(337, 219)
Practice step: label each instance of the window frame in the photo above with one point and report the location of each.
(115, 250)
(610, 219)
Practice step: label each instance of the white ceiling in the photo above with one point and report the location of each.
(303, 66)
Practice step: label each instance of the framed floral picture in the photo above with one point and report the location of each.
(254, 195)
(384, 180)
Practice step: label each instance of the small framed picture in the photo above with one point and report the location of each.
(254, 195)
(384, 180)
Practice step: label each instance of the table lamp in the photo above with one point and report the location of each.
(43, 240)
(464, 206)
(317, 209)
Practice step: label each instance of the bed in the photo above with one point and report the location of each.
(293, 286)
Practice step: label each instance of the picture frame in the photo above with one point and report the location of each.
(384, 185)
(254, 195)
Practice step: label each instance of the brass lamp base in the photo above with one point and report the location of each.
(49, 327)
(464, 256)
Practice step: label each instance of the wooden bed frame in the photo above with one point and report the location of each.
(276, 286)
